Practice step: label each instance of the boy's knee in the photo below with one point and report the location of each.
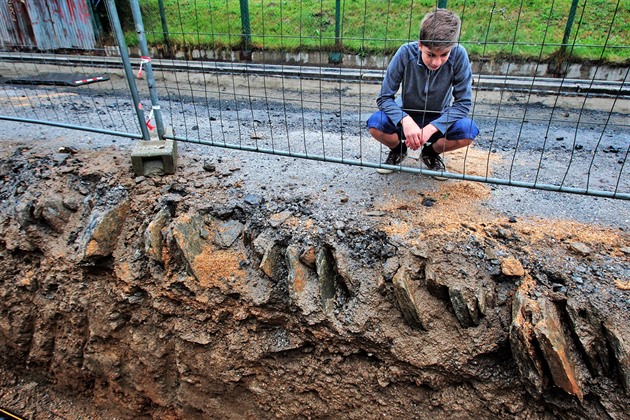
(375, 132)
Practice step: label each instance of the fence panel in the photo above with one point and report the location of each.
(270, 83)
(551, 91)
(70, 82)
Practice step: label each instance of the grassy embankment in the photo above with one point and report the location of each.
(523, 29)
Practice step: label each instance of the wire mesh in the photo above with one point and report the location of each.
(82, 87)
(300, 78)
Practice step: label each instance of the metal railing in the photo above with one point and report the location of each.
(301, 82)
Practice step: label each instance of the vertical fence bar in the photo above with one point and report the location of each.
(124, 54)
(335, 57)
(567, 28)
(144, 49)
(165, 34)
(246, 29)
(338, 24)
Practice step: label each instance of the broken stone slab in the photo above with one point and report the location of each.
(462, 285)
(404, 289)
(345, 269)
(100, 236)
(53, 211)
(523, 344)
(187, 232)
(303, 285)
(272, 255)
(469, 305)
(539, 345)
(153, 236)
(587, 327)
(228, 232)
(215, 267)
(619, 339)
(273, 262)
(554, 346)
(327, 278)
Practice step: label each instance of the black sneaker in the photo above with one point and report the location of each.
(395, 157)
(433, 161)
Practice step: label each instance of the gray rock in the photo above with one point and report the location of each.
(100, 236)
(326, 277)
(619, 339)
(254, 199)
(227, 233)
(153, 237)
(303, 286)
(406, 298)
(580, 248)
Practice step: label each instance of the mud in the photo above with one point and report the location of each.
(206, 294)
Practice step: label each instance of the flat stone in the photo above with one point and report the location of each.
(273, 262)
(405, 296)
(153, 237)
(512, 267)
(279, 218)
(227, 233)
(580, 248)
(303, 286)
(537, 339)
(101, 233)
(619, 339)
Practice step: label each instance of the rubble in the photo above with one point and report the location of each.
(149, 298)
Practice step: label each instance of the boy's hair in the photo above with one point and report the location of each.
(440, 29)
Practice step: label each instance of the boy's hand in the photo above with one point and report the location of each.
(416, 136)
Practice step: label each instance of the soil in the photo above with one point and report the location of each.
(207, 334)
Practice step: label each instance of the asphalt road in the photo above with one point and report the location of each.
(570, 140)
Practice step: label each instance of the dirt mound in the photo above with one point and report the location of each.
(189, 296)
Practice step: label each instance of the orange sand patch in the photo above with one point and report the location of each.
(565, 230)
(470, 161)
(213, 267)
(455, 202)
(622, 285)
(397, 228)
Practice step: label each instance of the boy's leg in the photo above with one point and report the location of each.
(442, 145)
(461, 134)
(386, 133)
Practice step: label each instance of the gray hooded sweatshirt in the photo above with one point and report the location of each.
(445, 93)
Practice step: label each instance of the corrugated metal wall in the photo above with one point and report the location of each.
(47, 24)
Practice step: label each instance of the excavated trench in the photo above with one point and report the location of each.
(189, 296)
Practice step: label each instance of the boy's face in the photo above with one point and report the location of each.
(433, 58)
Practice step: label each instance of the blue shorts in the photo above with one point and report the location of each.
(461, 129)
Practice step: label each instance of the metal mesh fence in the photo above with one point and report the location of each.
(551, 92)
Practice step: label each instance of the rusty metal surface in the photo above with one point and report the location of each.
(47, 24)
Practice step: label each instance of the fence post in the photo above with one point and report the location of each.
(167, 41)
(246, 29)
(335, 57)
(146, 60)
(124, 54)
(567, 28)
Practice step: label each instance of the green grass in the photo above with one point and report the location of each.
(522, 29)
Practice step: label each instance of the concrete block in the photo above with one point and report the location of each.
(154, 156)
